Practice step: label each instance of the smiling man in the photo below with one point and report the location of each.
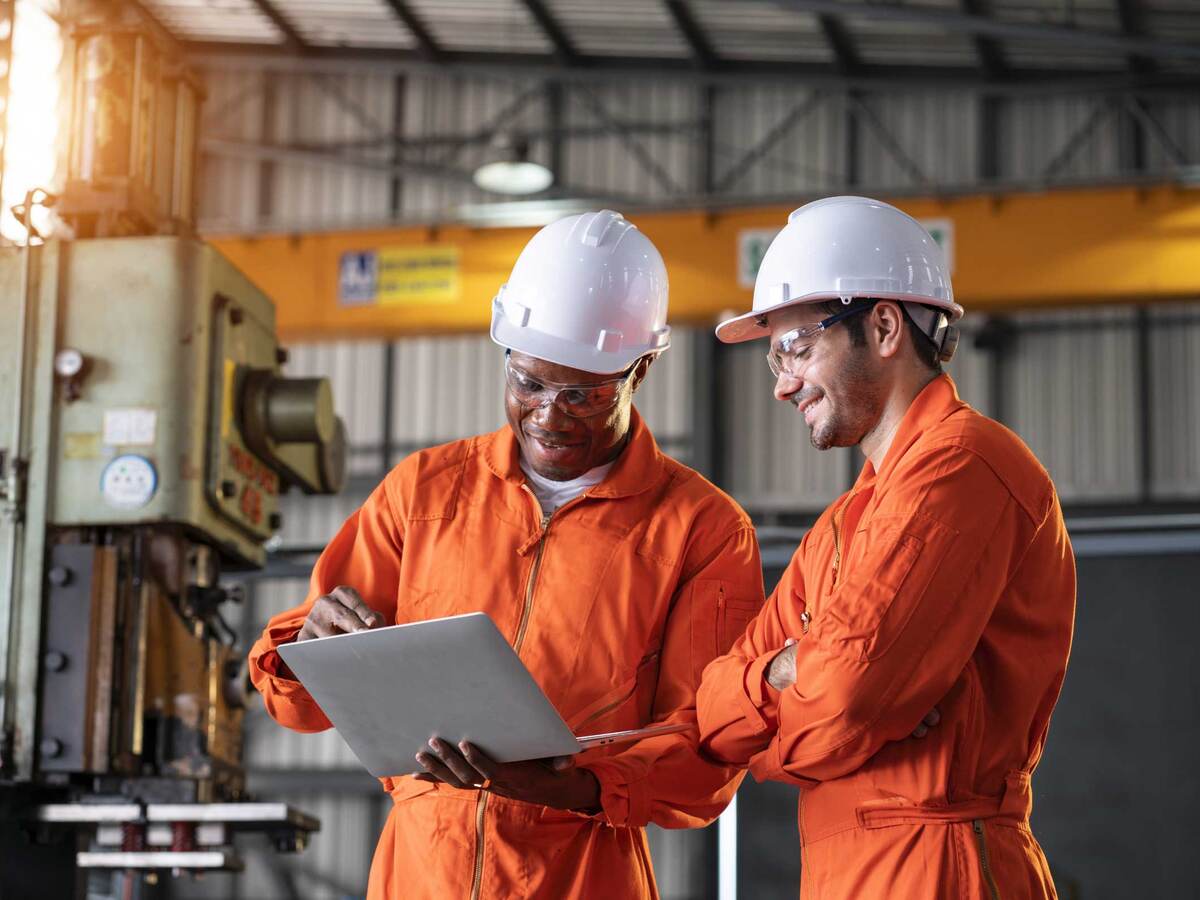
(616, 573)
(944, 577)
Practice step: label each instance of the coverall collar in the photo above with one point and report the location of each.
(637, 469)
(936, 402)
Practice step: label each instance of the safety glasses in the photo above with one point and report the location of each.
(576, 400)
(793, 347)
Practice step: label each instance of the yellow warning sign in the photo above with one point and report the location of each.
(417, 275)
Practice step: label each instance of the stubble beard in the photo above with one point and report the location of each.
(856, 411)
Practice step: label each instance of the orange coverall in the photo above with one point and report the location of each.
(615, 604)
(944, 579)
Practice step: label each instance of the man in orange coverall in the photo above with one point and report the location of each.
(617, 573)
(944, 577)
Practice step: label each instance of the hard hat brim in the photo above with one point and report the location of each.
(746, 327)
(566, 353)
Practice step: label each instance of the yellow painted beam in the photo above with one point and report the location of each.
(1020, 250)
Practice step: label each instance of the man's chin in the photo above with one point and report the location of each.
(826, 438)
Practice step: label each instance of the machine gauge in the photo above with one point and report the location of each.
(129, 482)
(68, 363)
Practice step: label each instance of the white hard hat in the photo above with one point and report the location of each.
(841, 248)
(589, 292)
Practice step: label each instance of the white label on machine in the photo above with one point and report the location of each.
(129, 482)
(130, 427)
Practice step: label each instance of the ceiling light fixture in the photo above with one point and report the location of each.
(510, 171)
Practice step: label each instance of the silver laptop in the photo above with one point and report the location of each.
(389, 690)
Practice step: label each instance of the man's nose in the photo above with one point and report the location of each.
(549, 416)
(787, 384)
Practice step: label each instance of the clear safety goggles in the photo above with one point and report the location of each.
(576, 400)
(791, 349)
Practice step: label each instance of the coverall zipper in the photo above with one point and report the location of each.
(481, 803)
(609, 707)
(837, 539)
(984, 862)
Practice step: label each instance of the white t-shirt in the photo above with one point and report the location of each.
(553, 494)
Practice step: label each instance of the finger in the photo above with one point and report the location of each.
(932, 717)
(349, 597)
(345, 619)
(920, 731)
(424, 776)
(562, 763)
(316, 627)
(435, 767)
(339, 617)
(454, 760)
(479, 761)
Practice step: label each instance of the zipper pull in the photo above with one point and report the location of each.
(805, 620)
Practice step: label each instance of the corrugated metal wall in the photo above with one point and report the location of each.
(268, 161)
(638, 165)
(919, 140)
(1174, 392)
(806, 129)
(1070, 389)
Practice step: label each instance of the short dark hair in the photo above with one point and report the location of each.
(923, 345)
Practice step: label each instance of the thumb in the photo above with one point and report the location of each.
(562, 763)
(789, 642)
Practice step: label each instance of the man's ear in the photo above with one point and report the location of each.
(640, 370)
(887, 327)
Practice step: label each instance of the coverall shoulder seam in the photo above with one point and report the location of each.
(1034, 515)
(453, 465)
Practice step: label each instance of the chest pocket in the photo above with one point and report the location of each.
(894, 562)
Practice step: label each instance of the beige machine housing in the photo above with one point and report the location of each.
(181, 368)
(146, 435)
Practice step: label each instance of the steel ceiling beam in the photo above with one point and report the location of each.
(291, 36)
(1130, 15)
(442, 141)
(841, 44)
(693, 33)
(587, 69)
(991, 56)
(969, 23)
(564, 47)
(427, 44)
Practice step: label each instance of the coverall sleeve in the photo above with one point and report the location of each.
(922, 581)
(737, 710)
(666, 780)
(365, 555)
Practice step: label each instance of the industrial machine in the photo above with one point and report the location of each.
(146, 435)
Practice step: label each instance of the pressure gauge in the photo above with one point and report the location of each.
(68, 363)
(128, 482)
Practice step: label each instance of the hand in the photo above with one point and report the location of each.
(932, 718)
(341, 611)
(546, 782)
(781, 674)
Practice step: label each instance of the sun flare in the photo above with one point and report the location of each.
(31, 152)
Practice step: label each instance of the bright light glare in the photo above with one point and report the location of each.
(31, 148)
(514, 177)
